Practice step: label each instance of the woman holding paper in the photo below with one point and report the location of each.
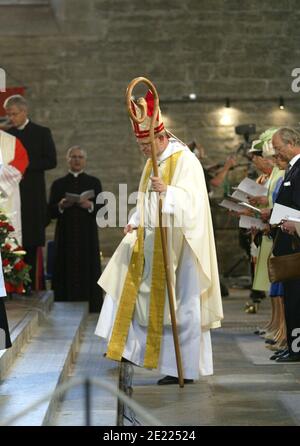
(262, 154)
(275, 330)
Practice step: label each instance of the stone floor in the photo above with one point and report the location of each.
(89, 363)
(246, 388)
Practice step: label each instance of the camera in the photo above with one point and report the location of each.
(246, 130)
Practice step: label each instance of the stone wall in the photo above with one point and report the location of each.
(76, 66)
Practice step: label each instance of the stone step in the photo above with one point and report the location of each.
(24, 316)
(89, 363)
(42, 365)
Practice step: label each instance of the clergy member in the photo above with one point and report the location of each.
(14, 161)
(77, 256)
(135, 319)
(42, 156)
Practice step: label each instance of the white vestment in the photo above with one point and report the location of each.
(9, 184)
(189, 280)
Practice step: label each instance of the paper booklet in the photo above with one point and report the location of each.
(246, 188)
(250, 187)
(251, 222)
(239, 196)
(231, 205)
(79, 198)
(249, 206)
(294, 219)
(281, 212)
(238, 206)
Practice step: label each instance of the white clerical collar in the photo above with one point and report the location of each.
(75, 174)
(173, 147)
(294, 160)
(22, 127)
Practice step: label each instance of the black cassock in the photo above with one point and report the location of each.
(40, 147)
(77, 266)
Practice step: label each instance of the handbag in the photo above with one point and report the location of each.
(283, 268)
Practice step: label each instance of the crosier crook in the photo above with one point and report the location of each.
(141, 103)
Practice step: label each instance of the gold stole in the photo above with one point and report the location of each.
(132, 284)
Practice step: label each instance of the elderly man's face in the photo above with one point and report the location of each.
(16, 115)
(282, 164)
(77, 160)
(283, 150)
(145, 145)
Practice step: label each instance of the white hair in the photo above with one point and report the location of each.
(17, 100)
(70, 150)
(289, 136)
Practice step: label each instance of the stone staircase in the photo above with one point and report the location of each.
(52, 343)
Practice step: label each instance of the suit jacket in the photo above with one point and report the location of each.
(288, 195)
(42, 156)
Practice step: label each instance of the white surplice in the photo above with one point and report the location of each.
(10, 178)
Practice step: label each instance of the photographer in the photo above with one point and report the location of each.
(213, 179)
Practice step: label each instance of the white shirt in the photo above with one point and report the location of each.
(294, 160)
(22, 127)
(75, 174)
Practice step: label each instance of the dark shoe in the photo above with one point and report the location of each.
(257, 296)
(224, 289)
(172, 380)
(270, 341)
(259, 332)
(289, 357)
(278, 354)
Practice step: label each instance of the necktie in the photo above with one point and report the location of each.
(287, 170)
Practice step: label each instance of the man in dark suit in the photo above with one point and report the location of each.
(42, 156)
(286, 142)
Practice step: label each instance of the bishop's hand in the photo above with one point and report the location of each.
(128, 228)
(158, 185)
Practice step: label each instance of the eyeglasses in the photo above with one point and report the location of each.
(12, 114)
(144, 145)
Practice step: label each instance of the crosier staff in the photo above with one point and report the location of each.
(141, 103)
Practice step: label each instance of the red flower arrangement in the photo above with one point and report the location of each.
(16, 271)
